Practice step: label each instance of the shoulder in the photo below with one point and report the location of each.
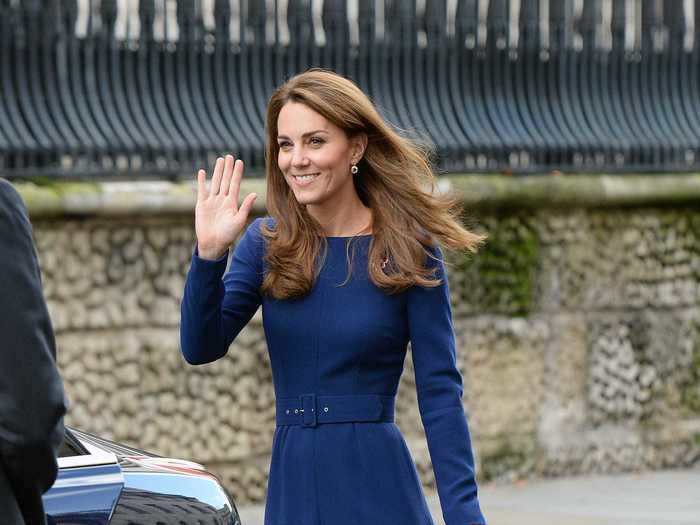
(269, 222)
(431, 247)
(253, 240)
(254, 231)
(9, 196)
(12, 209)
(435, 273)
(6, 188)
(433, 256)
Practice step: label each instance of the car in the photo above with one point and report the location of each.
(100, 482)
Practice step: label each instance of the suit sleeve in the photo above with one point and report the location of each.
(439, 390)
(32, 402)
(214, 310)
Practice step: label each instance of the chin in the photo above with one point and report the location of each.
(306, 199)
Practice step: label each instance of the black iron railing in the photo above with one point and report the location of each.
(160, 87)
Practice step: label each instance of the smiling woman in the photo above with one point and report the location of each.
(337, 335)
(316, 158)
(335, 168)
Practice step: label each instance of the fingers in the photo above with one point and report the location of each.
(228, 172)
(236, 179)
(201, 185)
(225, 180)
(216, 179)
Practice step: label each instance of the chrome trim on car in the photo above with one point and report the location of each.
(95, 457)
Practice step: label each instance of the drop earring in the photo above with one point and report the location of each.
(354, 169)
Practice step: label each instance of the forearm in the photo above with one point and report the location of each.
(215, 309)
(449, 444)
(439, 387)
(202, 337)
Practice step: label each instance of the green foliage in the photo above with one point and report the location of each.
(505, 269)
(506, 457)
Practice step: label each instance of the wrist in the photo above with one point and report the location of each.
(210, 253)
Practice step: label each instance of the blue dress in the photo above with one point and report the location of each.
(337, 355)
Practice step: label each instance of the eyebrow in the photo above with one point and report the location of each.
(303, 135)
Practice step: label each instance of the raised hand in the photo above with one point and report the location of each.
(218, 219)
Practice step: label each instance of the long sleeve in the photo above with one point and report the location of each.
(439, 389)
(214, 310)
(32, 401)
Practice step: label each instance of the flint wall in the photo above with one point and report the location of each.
(578, 327)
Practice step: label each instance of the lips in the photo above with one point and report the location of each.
(305, 180)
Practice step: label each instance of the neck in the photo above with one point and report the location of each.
(350, 218)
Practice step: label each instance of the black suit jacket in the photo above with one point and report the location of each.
(32, 402)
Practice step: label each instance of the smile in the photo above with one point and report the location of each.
(305, 180)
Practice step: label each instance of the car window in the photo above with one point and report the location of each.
(76, 452)
(71, 446)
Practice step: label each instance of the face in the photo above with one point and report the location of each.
(315, 156)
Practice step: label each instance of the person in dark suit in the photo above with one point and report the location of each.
(32, 402)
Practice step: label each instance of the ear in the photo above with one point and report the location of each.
(359, 145)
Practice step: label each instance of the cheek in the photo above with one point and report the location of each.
(332, 160)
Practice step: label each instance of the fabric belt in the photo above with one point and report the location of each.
(309, 410)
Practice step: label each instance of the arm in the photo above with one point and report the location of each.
(214, 311)
(32, 401)
(439, 390)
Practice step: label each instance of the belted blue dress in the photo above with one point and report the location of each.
(337, 354)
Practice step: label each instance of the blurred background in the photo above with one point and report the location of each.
(569, 128)
(156, 88)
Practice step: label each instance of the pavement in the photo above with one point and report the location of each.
(670, 497)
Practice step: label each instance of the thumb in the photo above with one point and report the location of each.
(248, 204)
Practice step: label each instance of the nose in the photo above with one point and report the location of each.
(299, 157)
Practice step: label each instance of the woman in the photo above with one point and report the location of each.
(347, 269)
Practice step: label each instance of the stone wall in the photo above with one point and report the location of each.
(577, 325)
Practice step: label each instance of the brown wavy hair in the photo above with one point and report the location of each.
(395, 180)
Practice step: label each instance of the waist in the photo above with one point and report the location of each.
(310, 410)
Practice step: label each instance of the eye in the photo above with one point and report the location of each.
(283, 144)
(318, 140)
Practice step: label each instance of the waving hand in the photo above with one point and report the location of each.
(218, 219)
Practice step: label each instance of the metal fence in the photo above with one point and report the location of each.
(161, 87)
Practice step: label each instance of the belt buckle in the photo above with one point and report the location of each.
(309, 410)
